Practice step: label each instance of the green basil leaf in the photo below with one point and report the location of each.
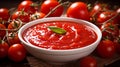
(57, 30)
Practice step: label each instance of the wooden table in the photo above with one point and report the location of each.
(31, 61)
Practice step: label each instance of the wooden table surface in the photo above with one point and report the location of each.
(31, 61)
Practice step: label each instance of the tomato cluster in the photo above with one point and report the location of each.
(11, 22)
(107, 19)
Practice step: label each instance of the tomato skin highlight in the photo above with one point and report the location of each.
(95, 10)
(104, 16)
(106, 49)
(4, 14)
(48, 5)
(88, 61)
(17, 52)
(78, 10)
(27, 7)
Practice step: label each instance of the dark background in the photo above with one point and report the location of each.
(14, 3)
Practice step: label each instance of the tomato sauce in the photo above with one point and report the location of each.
(77, 35)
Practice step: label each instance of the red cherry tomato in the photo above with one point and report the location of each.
(88, 62)
(48, 5)
(23, 16)
(106, 49)
(78, 10)
(3, 49)
(104, 16)
(118, 17)
(118, 10)
(37, 15)
(98, 8)
(2, 32)
(12, 38)
(27, 6)
(17, 52)
(4, 14)
(14, 24)
(110, 30)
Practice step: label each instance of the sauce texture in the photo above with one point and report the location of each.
(77, 35)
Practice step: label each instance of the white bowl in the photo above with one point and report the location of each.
(59, 56)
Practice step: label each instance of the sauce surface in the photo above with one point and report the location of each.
(77, 35)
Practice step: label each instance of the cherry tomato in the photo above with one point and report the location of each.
(78, 10)
(110, 30)
(96, 9)
(17, 52)
(37, 15)
(14, 24)
(88, 61)
(106, 49)
(2, 32)
(4, 14)
(12, 38)
(23, 16)
(48, 5)
(104, 16)
(118, 10)
(27, 6)
(3, 49)
(118, 17)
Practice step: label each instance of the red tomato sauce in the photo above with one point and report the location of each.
(77, 35)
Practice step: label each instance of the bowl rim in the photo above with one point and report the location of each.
(31, 23)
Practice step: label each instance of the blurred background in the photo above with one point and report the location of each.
(14, 3)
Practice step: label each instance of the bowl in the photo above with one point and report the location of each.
(59, 56)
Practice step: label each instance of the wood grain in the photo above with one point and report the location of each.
(102, 62)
